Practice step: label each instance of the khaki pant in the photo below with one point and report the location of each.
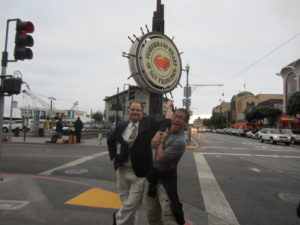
(159, 208)
(131, 190)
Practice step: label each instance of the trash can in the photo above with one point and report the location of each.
(41, 132)
(54, 138)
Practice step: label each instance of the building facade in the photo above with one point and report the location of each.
(291, 80)
(245, 101)
(116, 105)
(291, 84)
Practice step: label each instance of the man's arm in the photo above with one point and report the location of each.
(170, 109)
(112, 144)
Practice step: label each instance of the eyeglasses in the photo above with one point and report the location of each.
(136, 110)
(179, 117)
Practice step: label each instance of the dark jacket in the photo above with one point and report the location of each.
(59, 126)
(141, 152)
(78, 125)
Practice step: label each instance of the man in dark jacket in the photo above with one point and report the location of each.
(134, 159)
(78, 127)
(59, 128)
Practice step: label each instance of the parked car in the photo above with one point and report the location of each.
(233, 131)
(274, 136)
(251, 134)
(294, 134)
(256, 135)
(241, 132)
(15, 124)
(68, 130)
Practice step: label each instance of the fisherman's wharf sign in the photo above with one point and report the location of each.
(156, 62)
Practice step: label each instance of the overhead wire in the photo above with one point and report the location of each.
(260, 59)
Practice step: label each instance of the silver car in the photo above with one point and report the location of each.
(294, 134)
(274, 136)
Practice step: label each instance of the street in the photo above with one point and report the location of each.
(225, 180)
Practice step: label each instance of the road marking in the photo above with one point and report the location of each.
(12, 204)
(255, 170)
(215, 202)
(257, 148)
(223, 148)
(241, 154)
(73, 163)
(96, 197)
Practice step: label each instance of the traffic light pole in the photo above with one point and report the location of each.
(2, 100)
(3, 73)
(4, 62)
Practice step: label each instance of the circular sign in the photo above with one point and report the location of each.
(156, 64)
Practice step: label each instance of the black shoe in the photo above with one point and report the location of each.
(114, 218)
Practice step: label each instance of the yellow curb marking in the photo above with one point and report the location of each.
(191, 147)
(96, 197)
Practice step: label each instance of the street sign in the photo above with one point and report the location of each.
(189, 91)
(186, 101)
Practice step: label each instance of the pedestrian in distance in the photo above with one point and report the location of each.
(78, 128)
(163, 204)
(59, 128)
(133, 159)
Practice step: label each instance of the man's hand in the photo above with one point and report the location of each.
(170, 109)
(164, 135)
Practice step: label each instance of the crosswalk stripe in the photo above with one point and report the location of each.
(215, 202)
(255, 155)
(73, 163)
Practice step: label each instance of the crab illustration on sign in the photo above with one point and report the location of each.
(161, 62)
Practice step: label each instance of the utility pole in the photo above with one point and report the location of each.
(117, 106)
(124, 100)
(51, 99)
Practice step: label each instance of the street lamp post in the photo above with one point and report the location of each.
(51, 99)
(187, 104)
(125, 99)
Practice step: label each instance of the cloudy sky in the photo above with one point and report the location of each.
(78, 45)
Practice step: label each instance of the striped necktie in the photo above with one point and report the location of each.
(132, 135)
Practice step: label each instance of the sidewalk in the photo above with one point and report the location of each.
(46, 140)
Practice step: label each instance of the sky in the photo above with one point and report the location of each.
(78, 47)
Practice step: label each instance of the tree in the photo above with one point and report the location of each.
(250, 117)
(261, 112)
(218, 120)
(198, 121)
(97, 116)
(293, 104)
(112, 118)
(206, 122)
(272, 114)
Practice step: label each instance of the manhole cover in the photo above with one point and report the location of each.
(76, 171)
(12, 204)
(289, 197)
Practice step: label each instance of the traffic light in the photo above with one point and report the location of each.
(131, 93)
(11, 85)
(23, 40)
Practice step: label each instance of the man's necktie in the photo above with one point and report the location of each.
(132, 135)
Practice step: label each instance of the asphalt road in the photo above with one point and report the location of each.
(226, 180)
